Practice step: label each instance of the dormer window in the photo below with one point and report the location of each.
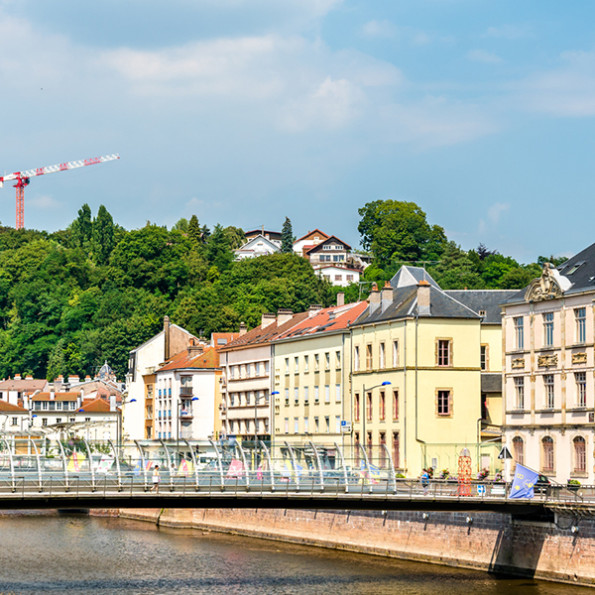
(482, 313)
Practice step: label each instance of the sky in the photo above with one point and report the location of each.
(244, 112)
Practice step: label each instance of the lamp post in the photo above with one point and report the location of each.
(365, 395)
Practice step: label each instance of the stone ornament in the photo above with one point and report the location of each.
(547, 361)
(549, 286)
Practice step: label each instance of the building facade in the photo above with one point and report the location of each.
(549, 371)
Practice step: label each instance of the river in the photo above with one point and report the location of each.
(49, 553)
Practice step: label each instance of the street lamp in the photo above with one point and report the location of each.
(365, 395)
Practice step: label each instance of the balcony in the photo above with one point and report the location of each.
(186, 391)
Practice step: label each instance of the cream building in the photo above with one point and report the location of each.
(549, 369)
(312, 363)
(418, 353)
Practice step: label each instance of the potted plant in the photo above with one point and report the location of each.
(573, 485)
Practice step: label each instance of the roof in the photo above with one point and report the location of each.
(405, 305)
(57, 397)
(254, 240)
(6, 407)
(192, 358)
(491, 382)
(220, 339)
(23, 385)
(407, 276)
(486, 300)
(262, 232)
(328, 240)
(159, 335)
(262, 336)
(311, 233)
(97, 405)
(336, 318)
(335, 265)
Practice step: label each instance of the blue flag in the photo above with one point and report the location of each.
(524, 480)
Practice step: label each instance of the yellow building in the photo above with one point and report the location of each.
(417, 355)
(312, 363)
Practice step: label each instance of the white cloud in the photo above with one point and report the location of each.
(484, 57)
(566, 91)
(383, 29)
(496, 210)
(42, 201)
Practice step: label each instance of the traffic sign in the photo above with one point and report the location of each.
(505, 453)
(481, 490)
(345, 426)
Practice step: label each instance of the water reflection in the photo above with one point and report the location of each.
(42, 553)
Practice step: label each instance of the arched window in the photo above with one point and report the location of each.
(547, 449)
(580, 455)
(518, 450)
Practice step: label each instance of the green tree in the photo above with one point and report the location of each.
(397, 231)
(82, 226)
(235, 236)
(103, 235)
(219, 252)
(181, 225)
(287, 237)
(194, 231)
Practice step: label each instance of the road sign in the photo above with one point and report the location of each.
(481, 490)
(505, 453)
(345, 426)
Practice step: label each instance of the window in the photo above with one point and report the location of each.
(580, 455)
(327, 360)
(382, 354)
(396, 450)
(443, 404)
(395, 404)
(317, 362)
(356, 359)
(286, 365)
(316, 425)
(327, 424)
(44, 421)
(580, 316)
(519, 332)
(296, 425)
(547, 450)
(483, 356)
(58, 420)
(337, 359)
(306, 395)
(395, 354)
(548, 329)
(369, 406)
(369, 356)
(248, 397)
(306, 425)
(548, 385)
(15, 421)
(286, 425)
(581, 388)
(337, 424)
(296, 395)
(338, 393)
(518, 450)
(519, 388)
(327, 393)
(338, 278)
(356, 406)
(316, 394)
(443, 352)
(286, 396)
(382, 406)
(296, 365)
(306, 363)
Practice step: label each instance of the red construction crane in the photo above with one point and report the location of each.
(22, 179)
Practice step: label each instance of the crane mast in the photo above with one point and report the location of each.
(23, 178)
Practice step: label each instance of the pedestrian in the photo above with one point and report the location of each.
(425, 481)
(155, 479)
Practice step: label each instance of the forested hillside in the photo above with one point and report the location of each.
(70, 300)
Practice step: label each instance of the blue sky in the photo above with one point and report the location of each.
(246, 111)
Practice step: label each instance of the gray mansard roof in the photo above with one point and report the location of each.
(486, 300)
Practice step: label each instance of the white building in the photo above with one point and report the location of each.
(255, 247)
(138, 406)
(338, 275)
(548, 371)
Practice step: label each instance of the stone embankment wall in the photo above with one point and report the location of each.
(487, 541)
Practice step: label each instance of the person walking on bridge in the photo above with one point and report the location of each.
(155, 479)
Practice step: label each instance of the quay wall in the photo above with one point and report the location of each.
(490, 541)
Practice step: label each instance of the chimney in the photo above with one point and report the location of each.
(374, 299)
(386, 296)
(284, 315)
(267, 319)
(17, 377)
(313, 310)
(423, 298)
(52, 395)
(29, 377)
(340, 299)
(73, 379)
(166, 345)
(243, 328)
(194, 349)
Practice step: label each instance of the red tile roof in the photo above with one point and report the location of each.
(97, 405)
(326, 320)
(320, 246)
(262, 336)
(190, 358)
(311, 233)
(227, 337)
(23, 385)
(57, 397)
(10, 408)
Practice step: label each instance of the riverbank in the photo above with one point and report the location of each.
(488, 541)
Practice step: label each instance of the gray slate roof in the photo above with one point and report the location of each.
(491, 382)
(488, 300)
